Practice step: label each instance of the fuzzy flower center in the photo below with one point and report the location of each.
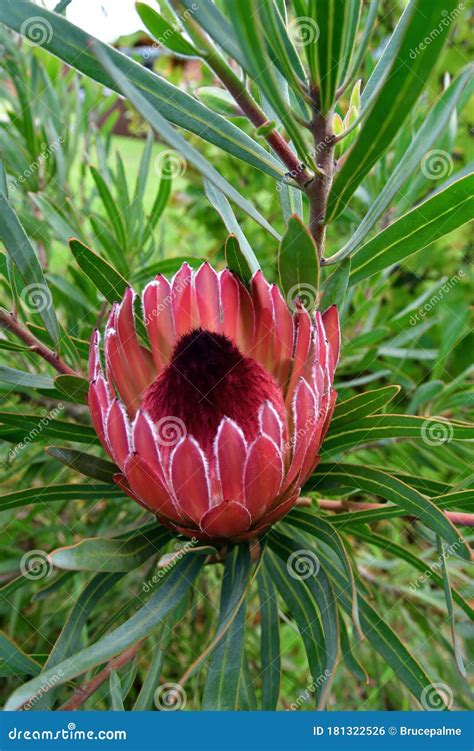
(207, 379)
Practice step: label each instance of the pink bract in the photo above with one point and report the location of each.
(218, 423)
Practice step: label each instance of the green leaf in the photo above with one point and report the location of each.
(325, 52)
(403, 71)
(72, 44)
(173, 587)
(303, 610)
(74, 388)
(281, 47)
(87, 464)
(164, 32)
(176, 140)
(115, 687)
(320, 528)
(27, 380)
(432, 219)
(224, 676)
(323, 595)
(298, 264)
(111, 208)
(64, 493)
(378, 427)
(269, 640)
(381, 635)
(335, 287)
(251, 40)
(444, 552)
(236, 260)
(385, 485)
(433, 126)
(107, 280)
(398, 551)
(44, 426)
(364, 404)
(222, 206)
(25, 259)
(13, 661)
(102, 554)
(69, 640)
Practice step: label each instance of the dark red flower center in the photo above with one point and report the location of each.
(207, 379)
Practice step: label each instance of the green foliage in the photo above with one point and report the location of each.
(325, 143)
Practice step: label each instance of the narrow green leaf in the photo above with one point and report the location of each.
(360, 405)
(27, 380)
(224, 676)
(398, 551)
(74, 388)
(251, 40)
(433, 126)
(164, 32)
(107, 280)
(298, 264)
(222, 206)
(444, 552)
(403, 71)
(72, 44)
(102, 554)
(381, 635)
(432, 219)
(111, 208)
(326, 50)
(236, 260)
(335, 287)
(269, 640)
(21, 251)
(52, 493)
(176, 140)
(87, 464)
(385, 485)
(13, 661)
(48, 428)
(174, 585)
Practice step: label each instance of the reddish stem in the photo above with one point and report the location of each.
(9, 321)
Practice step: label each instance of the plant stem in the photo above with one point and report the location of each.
(10, 322)
(237, 88)
(318, 190)
(455, 517)
(84, 692)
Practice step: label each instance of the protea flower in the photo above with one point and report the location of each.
(217, 423)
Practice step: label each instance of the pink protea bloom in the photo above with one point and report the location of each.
(216, 426)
